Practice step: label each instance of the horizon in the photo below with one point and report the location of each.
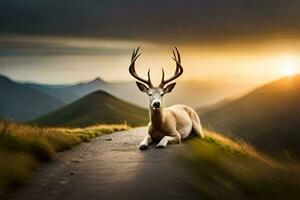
(223, 64)
(251, 85)
(255, 41)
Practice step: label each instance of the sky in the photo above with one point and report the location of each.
(66, 41)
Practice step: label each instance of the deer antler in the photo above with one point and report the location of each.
(178, 71)
(132, 71)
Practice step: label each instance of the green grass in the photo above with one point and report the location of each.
(225, 169)
(23, 146)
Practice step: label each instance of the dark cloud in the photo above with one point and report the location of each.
(154, 20)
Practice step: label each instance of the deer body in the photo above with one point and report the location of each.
(167, 125)
(175, 123)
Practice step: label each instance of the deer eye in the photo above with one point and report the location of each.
(150, 95)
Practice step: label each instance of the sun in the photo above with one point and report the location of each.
(288, 65)
(289, 70)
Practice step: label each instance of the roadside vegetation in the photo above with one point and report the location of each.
(234, 170)
(22, 147)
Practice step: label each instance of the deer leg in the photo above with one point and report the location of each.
(169, 139)
(145, 142)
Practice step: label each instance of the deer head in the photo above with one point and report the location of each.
(156, 93)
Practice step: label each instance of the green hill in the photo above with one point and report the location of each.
(98, 107)
(268, 117)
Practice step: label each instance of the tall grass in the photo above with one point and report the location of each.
(23, 146)
(234, 170)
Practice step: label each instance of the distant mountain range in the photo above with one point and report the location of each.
(70, 93)
(34, 99)
(97, 107)
(268, 117)
(20, 102)
(192, 93)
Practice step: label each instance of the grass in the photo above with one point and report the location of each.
(22, 147)
(234, 170)
(222, 168)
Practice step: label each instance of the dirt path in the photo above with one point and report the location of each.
(111, 167)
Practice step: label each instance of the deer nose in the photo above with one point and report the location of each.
(156, 104)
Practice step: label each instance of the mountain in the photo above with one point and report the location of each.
(70, 93)
(185, 92)
(83, 89)
(21, 103)
(268, 117)
(58, 92)
(97, 107)
(206, 109)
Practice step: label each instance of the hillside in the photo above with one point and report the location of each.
(268, 117)
(213, 106)
(98, 107)
(227, 169)
(21, 103)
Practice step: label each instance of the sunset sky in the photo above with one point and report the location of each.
(68, 41)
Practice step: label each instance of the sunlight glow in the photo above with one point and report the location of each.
(288, 65)
(69, 60)
(288, 71)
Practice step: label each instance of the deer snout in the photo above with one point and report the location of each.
(156, 104)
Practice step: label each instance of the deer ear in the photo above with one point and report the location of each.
(169, 88)
(142, 87)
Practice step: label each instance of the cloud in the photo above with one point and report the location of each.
(18, 48)
(153, 20)
(31, 46)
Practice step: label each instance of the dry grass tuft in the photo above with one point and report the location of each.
(225, 169)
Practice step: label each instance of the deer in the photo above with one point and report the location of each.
(167, 125)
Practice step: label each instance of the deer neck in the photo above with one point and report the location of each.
(156, 117)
